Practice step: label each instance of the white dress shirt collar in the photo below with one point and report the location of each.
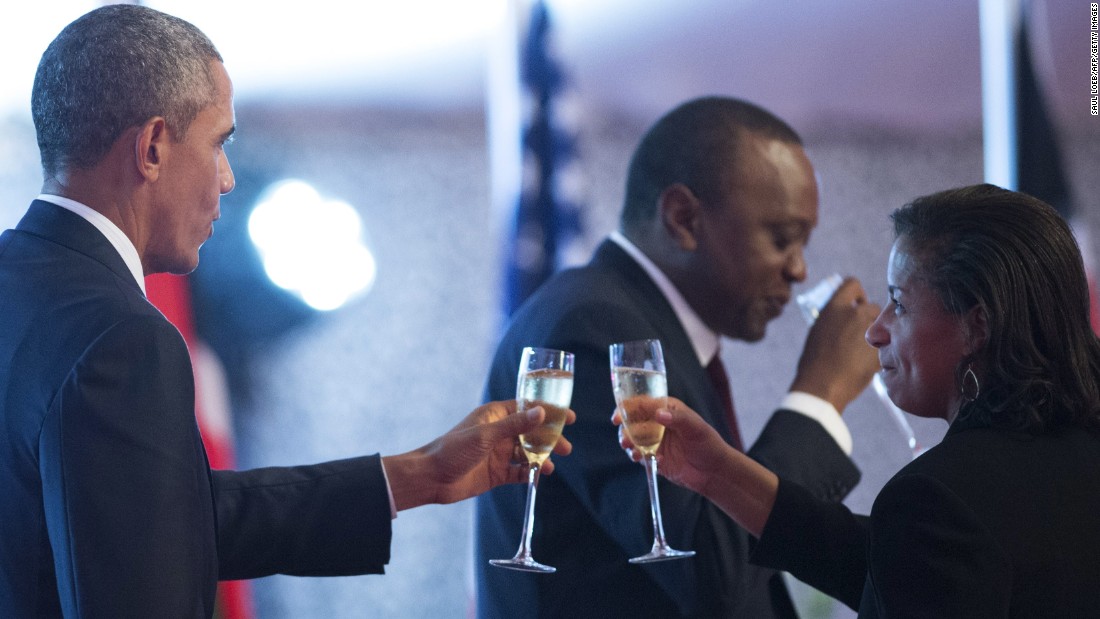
(706, 344)
(107, 228)
(704, 340)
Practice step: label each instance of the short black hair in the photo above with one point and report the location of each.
(1016, 258)
(695, 144)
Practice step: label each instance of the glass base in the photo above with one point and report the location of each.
(525, 565)
(663, 554)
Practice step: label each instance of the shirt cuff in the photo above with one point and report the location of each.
(824, 413)
(389, 491)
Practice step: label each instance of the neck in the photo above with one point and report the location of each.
(105, 189)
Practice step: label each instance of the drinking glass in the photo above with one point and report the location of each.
(545, 379)
(637, 377)
(811, 303)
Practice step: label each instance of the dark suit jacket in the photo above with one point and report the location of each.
(987, 524)
(593, 512)
(108, 507)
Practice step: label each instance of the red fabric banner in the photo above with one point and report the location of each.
(171, 294)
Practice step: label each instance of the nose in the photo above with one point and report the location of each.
(795, 269)
(226, 179)
(877, 335)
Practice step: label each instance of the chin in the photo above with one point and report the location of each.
(747, 332)
(182, 266)
(917, 408)
(755, 336)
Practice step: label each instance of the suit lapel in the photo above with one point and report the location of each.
(687, 379)
(62, 226)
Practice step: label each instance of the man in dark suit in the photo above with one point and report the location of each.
(109, 506)
(720, 203)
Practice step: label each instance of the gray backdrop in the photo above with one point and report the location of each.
(400, 366)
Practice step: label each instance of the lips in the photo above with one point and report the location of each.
(775, 306)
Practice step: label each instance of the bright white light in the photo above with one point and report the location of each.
(341, 45)
(271, 48)
(25, 32)
(311, 246)
(365, 29)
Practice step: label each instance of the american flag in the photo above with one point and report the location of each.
(547, 227)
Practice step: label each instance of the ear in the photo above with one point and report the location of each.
(150, 147)
(680, 210)
(977, 328)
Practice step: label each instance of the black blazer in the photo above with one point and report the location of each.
(109, 507)
(593, 513)
(988, 523)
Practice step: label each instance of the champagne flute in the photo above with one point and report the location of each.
(545, 379)
(638, 376)
(811, 303)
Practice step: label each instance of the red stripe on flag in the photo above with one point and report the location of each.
(171, 294)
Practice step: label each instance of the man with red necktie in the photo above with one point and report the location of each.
(720, 202)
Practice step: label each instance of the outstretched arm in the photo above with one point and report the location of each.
(820, 542)
(694, 455)
(475, 456)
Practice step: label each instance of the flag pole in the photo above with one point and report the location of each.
(998, 22)
(503, 121)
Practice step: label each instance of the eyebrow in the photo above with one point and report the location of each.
(789, 224)
(227, 137)
(800, 229)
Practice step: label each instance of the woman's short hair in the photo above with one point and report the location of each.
(1014, 257)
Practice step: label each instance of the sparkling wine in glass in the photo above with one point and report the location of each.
(545, 379)
(811, 303)
(638, 378)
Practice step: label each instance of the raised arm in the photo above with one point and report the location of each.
(475, 456)
(693, 455)
(837, 364)
(820, 542)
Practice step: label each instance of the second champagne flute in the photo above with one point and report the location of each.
(638, 377)
(545, 379)
(811, 303)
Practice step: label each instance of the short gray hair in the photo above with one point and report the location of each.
(112, 69)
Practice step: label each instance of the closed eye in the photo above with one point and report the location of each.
(898, 307)
(786, 235)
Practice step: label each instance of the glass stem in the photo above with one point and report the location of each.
(654, 502)
(529, 513)
(898, 415)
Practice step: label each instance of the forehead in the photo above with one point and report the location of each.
(903, 266)
(774, 181)
(224, 86)
(905, 278)
(219, 116)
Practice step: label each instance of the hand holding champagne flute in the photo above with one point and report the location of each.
(812, 302)
(545, 379)
(639, 381)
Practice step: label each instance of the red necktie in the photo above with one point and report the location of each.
(717, 371)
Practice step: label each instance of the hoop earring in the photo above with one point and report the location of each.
(970, 393)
